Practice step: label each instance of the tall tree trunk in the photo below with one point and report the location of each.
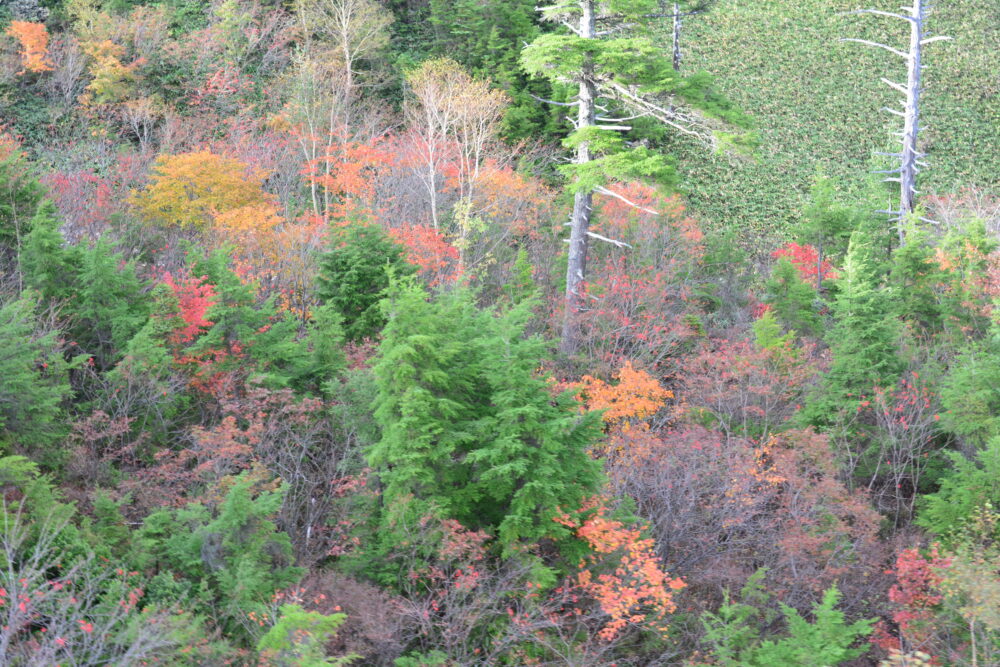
(676, 34)
(576, 268)
(909, 156)
(911, 119)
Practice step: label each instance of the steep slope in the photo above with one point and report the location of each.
(816, 101)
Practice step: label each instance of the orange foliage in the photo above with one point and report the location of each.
(637, 395)
(622, 572)
(34, 41)
(971, 275)
(296, 247)
(251, 232)
(504, 196)
(245, 222)
(346, 173)
(9, 145)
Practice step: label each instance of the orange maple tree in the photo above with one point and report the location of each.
(428, 250)
(34, 41)
(621, 572)
(342, 179)
(637, 395)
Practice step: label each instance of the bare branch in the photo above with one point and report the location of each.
(666, 116)
(881, 13)
(899, 53)
(572, 28)
(595, 235)
(620, 244)
(612, 193)
(605, 119)
(559, 104)
(898, 86)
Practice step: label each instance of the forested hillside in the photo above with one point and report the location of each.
(473, 332)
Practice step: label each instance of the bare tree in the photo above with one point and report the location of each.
(909, 157)
(437, 89)
(454, 119)
(678, 11)
(54, 610)
(351, 31)
(338, 36)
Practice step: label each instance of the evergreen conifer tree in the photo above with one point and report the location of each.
(354, 273)
(612, 58)
(826, 224)
(243, 328)
(109, 304)
(228, 557)
(20, 193)
(324, 342)
(469, 427)
(864, 338)
(791, 298)
(33, 380)
(48, 264)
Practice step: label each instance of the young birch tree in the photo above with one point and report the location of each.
(338, 36)
(455, 118)
(621, 75)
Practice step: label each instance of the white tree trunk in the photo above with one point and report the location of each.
(676, 34)
(911, 120)
(576, 268)
(909, 157)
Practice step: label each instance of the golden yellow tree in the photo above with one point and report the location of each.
(112, 80)
(192, 189)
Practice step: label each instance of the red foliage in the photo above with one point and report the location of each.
(907, 418)
(721, 507)
(638, 225)
(84, 199)
(741, 389)
(640, 299)
(428, 250)
(195, 296)
(806, 259)
(917, 593)
(222, 86)
(638, 314)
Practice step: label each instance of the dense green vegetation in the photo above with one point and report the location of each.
(297, 367)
